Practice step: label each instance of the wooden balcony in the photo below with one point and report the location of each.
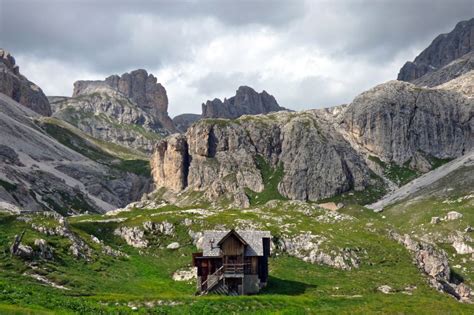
(237, 269)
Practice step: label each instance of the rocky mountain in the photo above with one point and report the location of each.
(447, 73)
(19, 88)
(183, 121)
(318, 154)
(401, 123)
(38, 172)
(307, 158)
(245, 102)
(444, 49)
(130, 110)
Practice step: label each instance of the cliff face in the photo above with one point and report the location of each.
(447, 73)
(130, 110)
(224, 158)
(245, 102)
(16, 86)
(139, 87)
(395, 120)
(321, 153)
(444, 49)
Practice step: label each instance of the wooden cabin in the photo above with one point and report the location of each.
(233, 263)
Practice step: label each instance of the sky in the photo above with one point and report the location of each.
(308, 53)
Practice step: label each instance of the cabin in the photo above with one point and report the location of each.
(233, 263)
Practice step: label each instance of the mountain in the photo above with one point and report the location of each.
(183, 121)
(245, 102)
(449, 72)
(19, 88)
(398, 121)
(49, 165)
(443, 50)
(395, 130)
(129, 110)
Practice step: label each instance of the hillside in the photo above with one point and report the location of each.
(48, 165)
(324, 260)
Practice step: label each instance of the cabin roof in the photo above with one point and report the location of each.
(253, 239)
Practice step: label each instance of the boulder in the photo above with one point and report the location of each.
(134, 236)
(185, 274)
(385, 289)
(174, 245)
(462, 248)
(435, 220)
(44, 250)
(453, 215)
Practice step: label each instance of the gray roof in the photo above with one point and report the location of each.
(253, 239)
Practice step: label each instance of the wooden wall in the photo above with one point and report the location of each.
(232, 246)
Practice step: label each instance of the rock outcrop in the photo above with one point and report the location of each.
(245, 102)
(444, 49)
(395, 120)
(447, 73)
(16, 86)
(224, 158)
(170, 163)
(184, 121)
(463, 84)
(138, 86)
(434, 264)
(130, 110)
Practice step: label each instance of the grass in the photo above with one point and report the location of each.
(84, 146)
(396, 173)
(271, 177)
(109, 285)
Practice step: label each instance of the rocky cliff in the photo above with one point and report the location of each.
(447, 73)
(130, 110)
(19, 88)
(245, 102)
(396, 121)
(318, 154)
(138, 86)
(306, 158)
(444, 49)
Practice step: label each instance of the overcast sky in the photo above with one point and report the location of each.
(308, 54)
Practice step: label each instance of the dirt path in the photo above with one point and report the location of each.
(422, 181)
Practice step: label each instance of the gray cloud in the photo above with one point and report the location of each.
(300, 51)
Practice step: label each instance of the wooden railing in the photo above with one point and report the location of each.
(237, 268)
(213, 279)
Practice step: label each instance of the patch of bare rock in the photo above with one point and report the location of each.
(434, 264)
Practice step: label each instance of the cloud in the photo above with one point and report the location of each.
(307, 53)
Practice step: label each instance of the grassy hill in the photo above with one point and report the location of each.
(142, 282)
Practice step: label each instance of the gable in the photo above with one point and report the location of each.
(254, 240)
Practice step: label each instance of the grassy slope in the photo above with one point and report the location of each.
(111, 154)
(109, 284)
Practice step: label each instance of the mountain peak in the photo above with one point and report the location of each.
(245, 102)
(444, 49)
